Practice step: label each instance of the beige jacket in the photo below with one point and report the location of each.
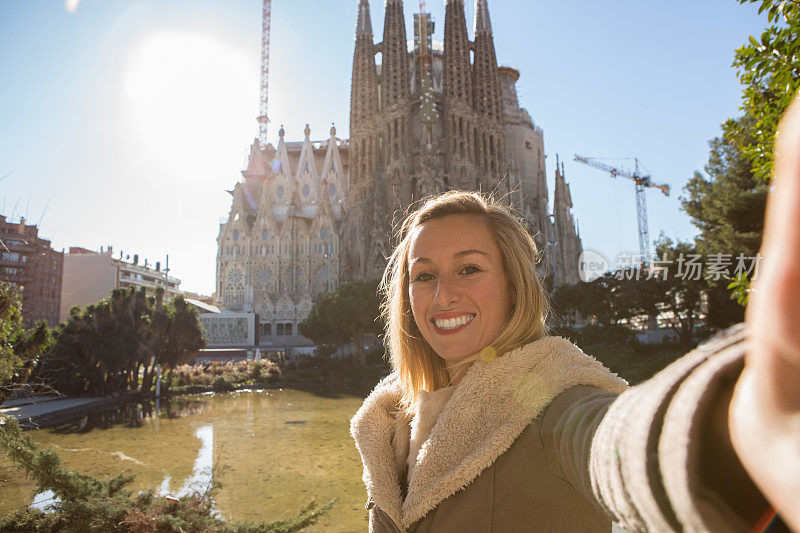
(544, 438)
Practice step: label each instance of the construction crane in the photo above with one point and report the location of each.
(263, 120)
(642, 182)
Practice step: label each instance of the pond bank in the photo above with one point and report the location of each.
(322, 377)
(47, 411)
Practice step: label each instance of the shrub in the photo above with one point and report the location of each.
(220, 384)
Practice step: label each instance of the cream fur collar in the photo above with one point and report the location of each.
(487, 411)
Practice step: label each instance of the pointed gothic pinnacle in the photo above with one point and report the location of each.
(364, 24)
(483, 23)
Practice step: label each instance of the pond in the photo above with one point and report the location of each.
(272, 451)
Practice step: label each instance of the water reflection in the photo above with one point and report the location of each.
(202, 472)
(132, 415)
(272, 451)
(44, 501)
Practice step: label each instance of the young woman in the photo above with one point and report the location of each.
(488, 424)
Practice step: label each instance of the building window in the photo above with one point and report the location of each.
(284, 328)
(266, 330)
(9, 256)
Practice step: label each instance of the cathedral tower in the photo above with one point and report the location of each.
(487, 100)
(364, 130)
(363, 99)
(568, 247)
(395, 100)
(457, 87)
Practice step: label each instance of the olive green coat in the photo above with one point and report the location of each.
(545, 438)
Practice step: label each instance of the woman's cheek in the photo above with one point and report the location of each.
(415, 301)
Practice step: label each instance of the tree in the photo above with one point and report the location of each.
(769, 70)
(602, 301)
(666, 291)
(727, 206)
(103, 348)
(19, 349)
(348, 314)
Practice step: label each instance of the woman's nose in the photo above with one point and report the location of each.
(446, 292)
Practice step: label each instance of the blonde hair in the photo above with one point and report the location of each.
(417, 365)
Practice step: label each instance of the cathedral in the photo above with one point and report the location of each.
(427, 118)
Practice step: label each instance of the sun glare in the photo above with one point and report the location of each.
(193, 99)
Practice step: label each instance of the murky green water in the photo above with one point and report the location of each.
(272, 450)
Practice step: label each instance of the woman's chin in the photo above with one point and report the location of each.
(454, 356)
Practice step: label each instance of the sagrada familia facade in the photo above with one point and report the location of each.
(430, 117)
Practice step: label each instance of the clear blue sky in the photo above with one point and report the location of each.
(129, 119)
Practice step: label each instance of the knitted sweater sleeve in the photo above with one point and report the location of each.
(657, 457)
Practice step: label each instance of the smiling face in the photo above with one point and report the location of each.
(458, 289)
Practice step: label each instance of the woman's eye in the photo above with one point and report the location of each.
(423, 277)
(471, 269)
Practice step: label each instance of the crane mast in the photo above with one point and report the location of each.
(641, 183)
(263, 119)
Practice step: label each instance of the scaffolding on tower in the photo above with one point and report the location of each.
(263, 118)
(423, 47)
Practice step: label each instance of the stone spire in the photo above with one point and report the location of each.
(395, 70)
(457, 80)
(395, 123)
(487, 97)
(482, 22)
(459, 118)
(363, 96)
(364, 131)
(568, 248)
(364, 23)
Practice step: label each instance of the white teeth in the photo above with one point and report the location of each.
(452, 323)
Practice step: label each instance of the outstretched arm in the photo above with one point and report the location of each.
(764, 418)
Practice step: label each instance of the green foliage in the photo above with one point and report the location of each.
(727, 207)
(769, 70)
(336, 375)
(616, 348)
(667, 291)
(19, 349)
(220, 384)
(102, 349)
(87, 504)
(210, 377)
(740, 289)
(349, 313)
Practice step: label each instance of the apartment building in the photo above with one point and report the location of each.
(29, 263)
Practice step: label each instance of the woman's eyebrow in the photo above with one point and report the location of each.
(469, 252)
(456, 255)
(420, 260)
